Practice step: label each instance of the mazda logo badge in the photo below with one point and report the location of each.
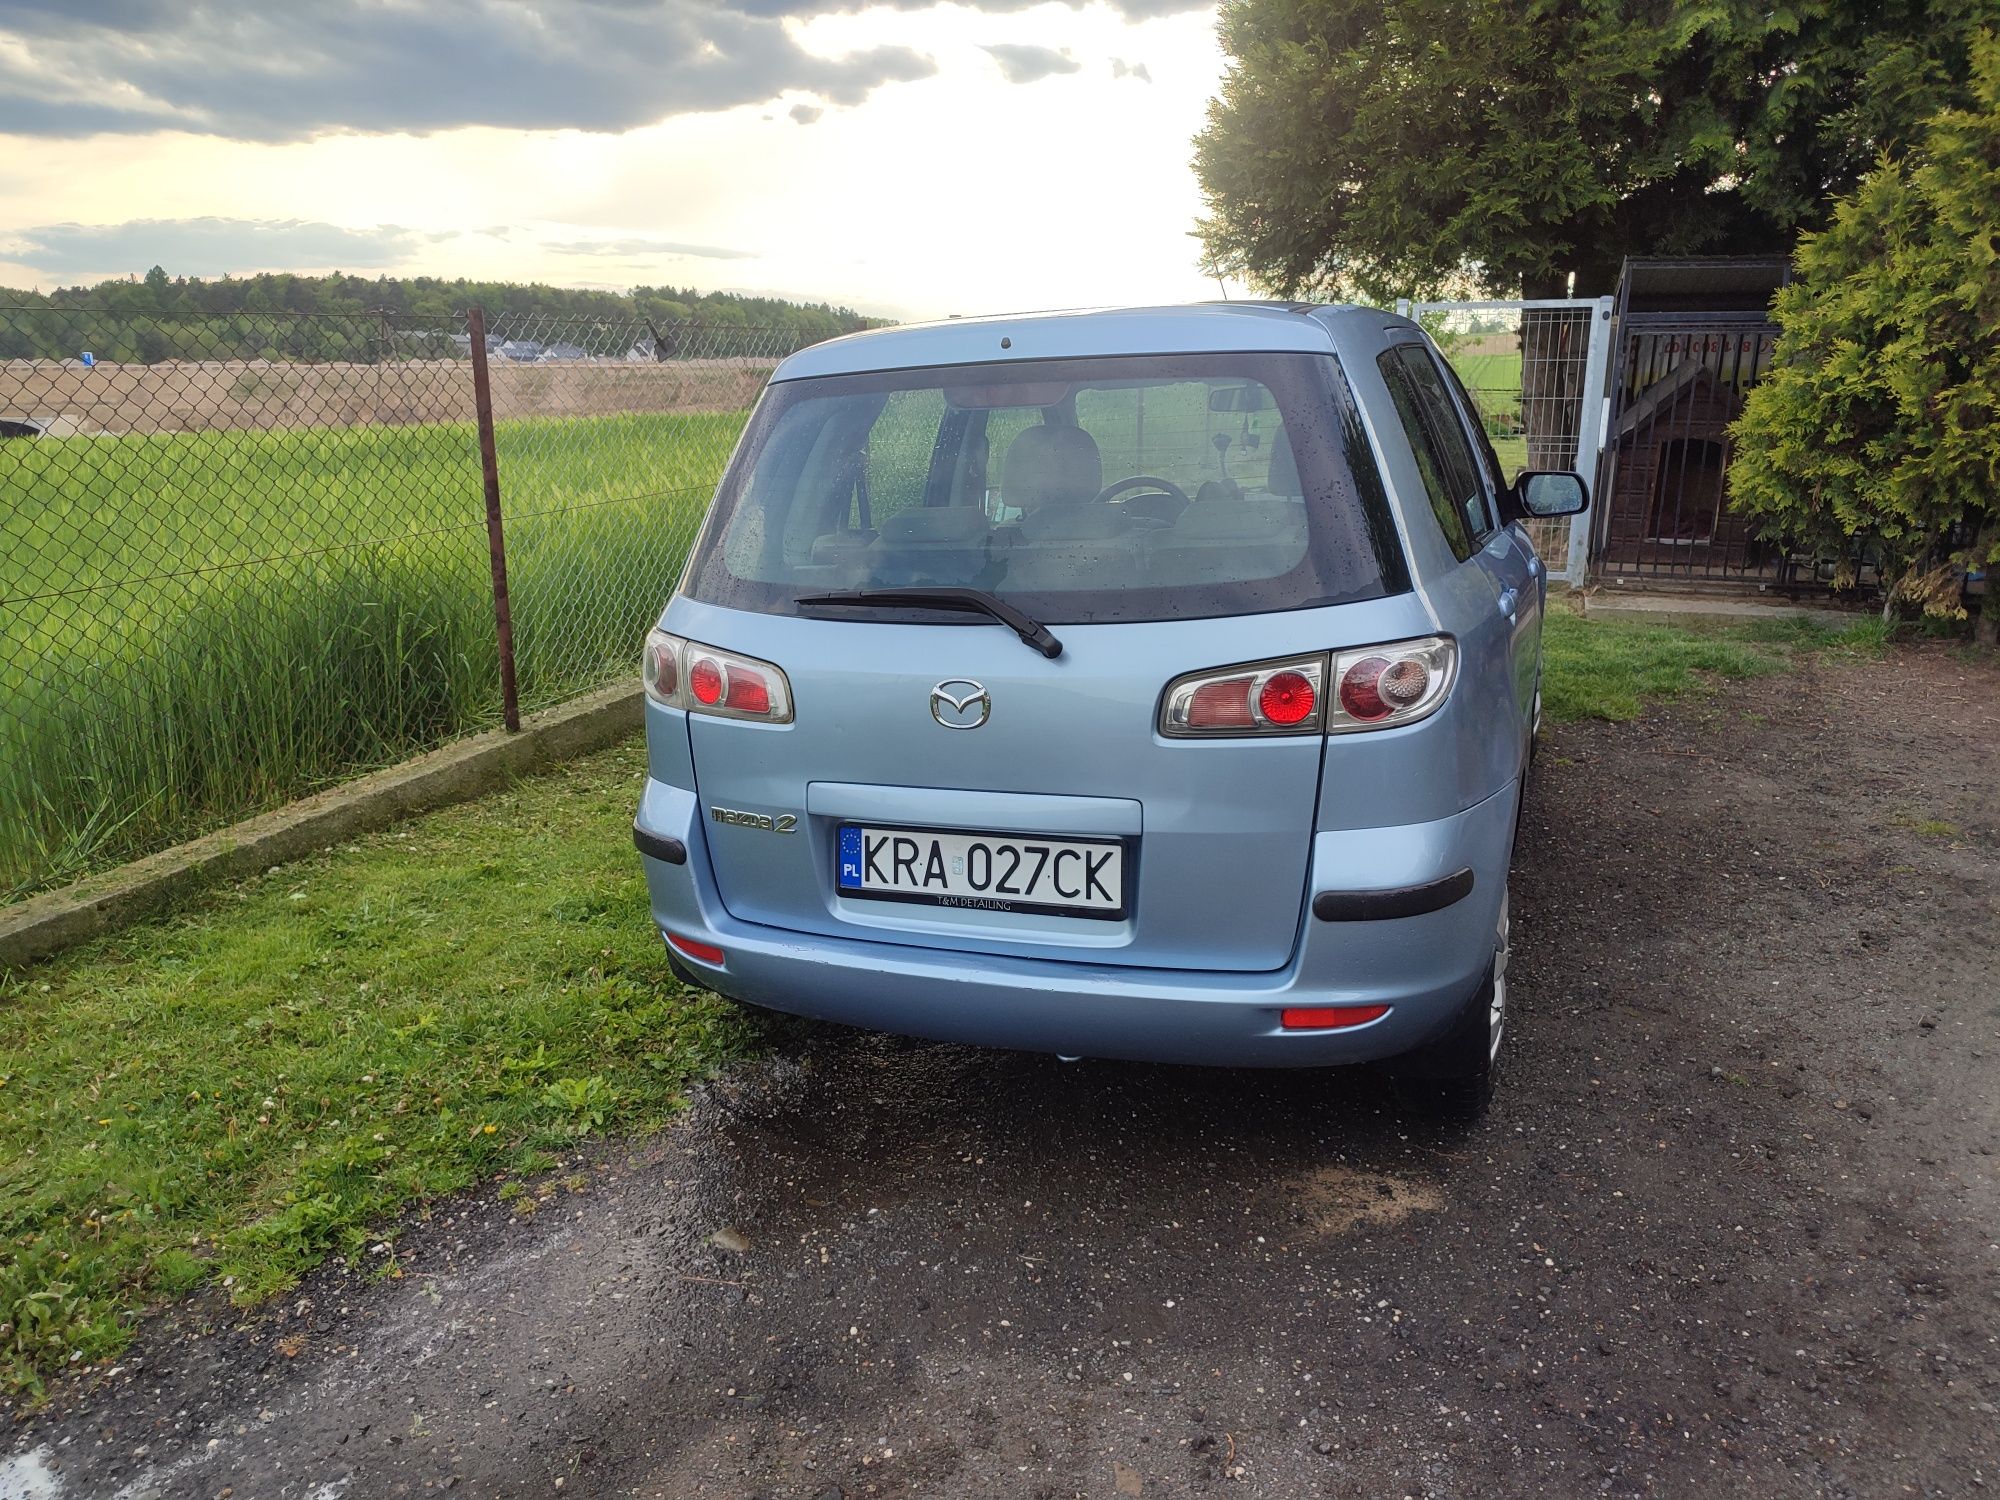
(960, 703)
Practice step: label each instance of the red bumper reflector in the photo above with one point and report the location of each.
(708, 953)
(1330, 1017)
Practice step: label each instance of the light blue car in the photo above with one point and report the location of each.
(1153, 684)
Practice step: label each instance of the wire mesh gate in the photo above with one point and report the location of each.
(1537, 371)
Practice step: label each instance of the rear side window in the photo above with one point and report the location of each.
(1141, 488)
(1437, 437)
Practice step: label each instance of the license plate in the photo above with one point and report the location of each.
(983, 871)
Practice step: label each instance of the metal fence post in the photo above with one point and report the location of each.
(1591, 437)
(489, 468)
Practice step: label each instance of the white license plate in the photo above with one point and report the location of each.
(983, 871)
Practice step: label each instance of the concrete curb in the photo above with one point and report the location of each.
(1696, 610)
(42, 925)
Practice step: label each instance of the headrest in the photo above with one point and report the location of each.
(1051, 466)
(943, 523)
(1218, 489)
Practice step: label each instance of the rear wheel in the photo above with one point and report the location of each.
(1452, 1078)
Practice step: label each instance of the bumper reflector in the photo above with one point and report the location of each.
(1330, 1017)
(707, 953)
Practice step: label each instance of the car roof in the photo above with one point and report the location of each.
(1197, 328)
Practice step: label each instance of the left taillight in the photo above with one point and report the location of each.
(706, 680)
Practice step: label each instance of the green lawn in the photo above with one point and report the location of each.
(1610, 669)
(1496, 372)
(200, 625)
(234, 1094)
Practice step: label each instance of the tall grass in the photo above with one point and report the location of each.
(198, 626)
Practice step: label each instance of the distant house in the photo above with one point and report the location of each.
(564, 351)
(523, 351)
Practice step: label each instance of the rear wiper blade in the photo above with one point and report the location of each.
(966, 601)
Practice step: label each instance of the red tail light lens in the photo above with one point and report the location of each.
(1280, 697)
(1378, 687)
(707, 681)
(701, 679)
(1287, 698)
(748, 692)
(1360, 697)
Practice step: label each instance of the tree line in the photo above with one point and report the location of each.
(284, 316)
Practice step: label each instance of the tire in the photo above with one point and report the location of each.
(1452, 1078)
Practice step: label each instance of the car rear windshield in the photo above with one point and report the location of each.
(1080, 491)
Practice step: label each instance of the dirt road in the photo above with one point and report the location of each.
(1731, 1229)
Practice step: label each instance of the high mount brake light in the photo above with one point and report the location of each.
(1273, 697)
(704, 680)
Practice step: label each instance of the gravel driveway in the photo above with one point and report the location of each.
(1730, 1230)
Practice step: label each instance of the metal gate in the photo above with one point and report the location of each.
(1680, 382)
(1538, 371)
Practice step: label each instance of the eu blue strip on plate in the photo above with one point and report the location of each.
(850, 857)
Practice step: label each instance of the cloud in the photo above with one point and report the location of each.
(252, 70)
(1122, 69)
(1022, 63)
(806, 114)
(207, 247)
(639, 248)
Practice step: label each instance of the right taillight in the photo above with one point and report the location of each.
(1377, 687)
(1374, 687)
(1273, 697)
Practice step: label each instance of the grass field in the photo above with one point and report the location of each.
(1498, 372)
(197, 626)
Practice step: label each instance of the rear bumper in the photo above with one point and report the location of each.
(1425, 967)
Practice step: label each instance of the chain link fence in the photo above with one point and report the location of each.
(244, 557)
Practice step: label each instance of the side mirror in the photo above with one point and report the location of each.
(1544, 494)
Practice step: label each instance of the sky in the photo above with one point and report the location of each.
(909, 159)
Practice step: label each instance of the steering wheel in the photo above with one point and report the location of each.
(1144, 481)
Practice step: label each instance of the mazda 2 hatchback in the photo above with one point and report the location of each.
(1151, 684)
